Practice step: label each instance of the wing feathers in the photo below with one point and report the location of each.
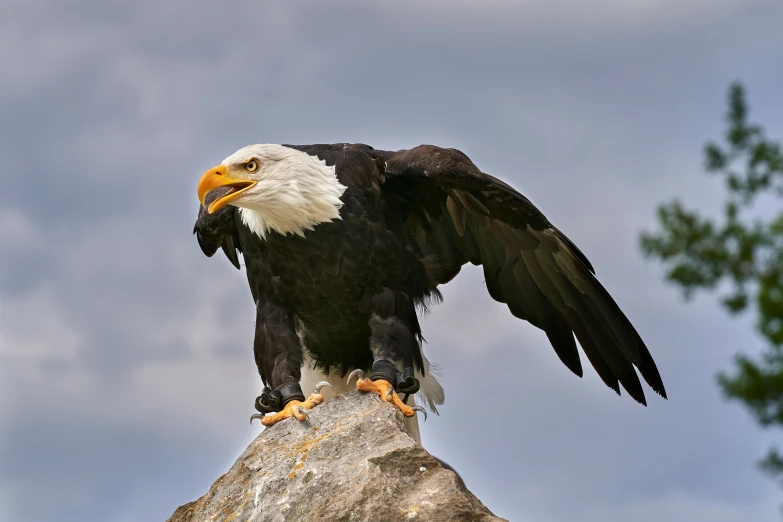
(230, 249)
(594, 329)
(649, 370)
(606, 309)
(529, 264)
(218, 230)
(546, 317)
(592, 352)
(471, 203)
(457, 213)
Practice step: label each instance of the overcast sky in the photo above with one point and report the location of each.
(126, 368)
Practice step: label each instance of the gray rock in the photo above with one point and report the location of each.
(353, 460)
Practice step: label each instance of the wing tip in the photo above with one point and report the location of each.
(649, 370)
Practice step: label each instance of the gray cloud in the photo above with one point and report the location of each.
(125, 365)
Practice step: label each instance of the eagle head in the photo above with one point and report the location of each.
(277, 188)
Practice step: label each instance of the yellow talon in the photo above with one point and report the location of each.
(385, 391)
(295, 408)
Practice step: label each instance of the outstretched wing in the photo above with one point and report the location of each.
(218, 230)
(457, 214)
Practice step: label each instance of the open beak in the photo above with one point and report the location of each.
(217, 177)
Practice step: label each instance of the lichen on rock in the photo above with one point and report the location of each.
(351, 461)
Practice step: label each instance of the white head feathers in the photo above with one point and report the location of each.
(294, 191)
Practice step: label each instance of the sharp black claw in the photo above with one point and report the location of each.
(354, 373)
(320, 385)
(419, 408)
(255, 416)
(389, 393)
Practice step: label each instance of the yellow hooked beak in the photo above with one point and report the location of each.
(217, 177)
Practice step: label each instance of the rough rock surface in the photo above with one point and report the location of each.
(353, 460)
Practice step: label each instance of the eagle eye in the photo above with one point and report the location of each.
(252, 166)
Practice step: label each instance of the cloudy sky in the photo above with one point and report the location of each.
(126, 374)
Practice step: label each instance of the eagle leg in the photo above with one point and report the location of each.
(294, 408)
(385, 390)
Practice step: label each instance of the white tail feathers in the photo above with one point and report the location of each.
(430, 393)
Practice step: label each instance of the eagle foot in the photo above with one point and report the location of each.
(273, 400)
(385, 390)
(294, 408)
(403, 381)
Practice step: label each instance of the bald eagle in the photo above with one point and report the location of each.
(344, 245)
